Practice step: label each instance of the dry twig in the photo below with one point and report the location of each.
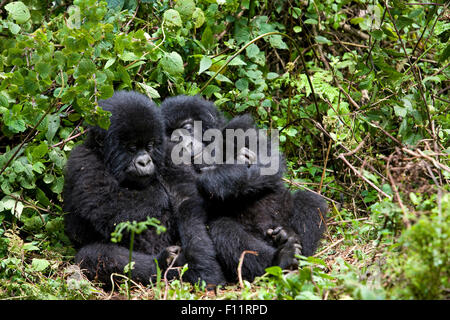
(241, 261)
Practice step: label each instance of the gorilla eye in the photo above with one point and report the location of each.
(149, 146)
(131, 148)
(188, 126)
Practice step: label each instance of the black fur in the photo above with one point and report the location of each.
(101, 191)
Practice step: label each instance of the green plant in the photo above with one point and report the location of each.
(131, 228)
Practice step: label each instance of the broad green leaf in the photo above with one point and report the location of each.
(43, 69)
(110, 62)
(15, 206)
(219, 77)
(3, 101)
(30, 247)
(86, 67)
(172, 18)
(205, 63)
(186, 8)
(275, 271)
(151, 92)
(53, 126)
(58, 185)
(276, 41)
(252, 51)
(39, 264)
(198, 17)
(172, 63)
(18, 11)
(321, 39)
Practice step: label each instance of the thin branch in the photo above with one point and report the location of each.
(342, 157)
(241, 261)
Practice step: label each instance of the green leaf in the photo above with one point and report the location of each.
(311, 21)
(18, 11)
(205, 63)
(14, 28)
(219, 77)
(3, 101)
(110, 62)
(106, 91)
(42, 198)
(252, 50)
(151, 92)
(172, 18)
(15, 206)
(275, 271)
(241, 84)
(86, 67)
(186, 8)
(38, 167)
(58, 185)
(16, 125)
(43, 69)
(30, 247)
(276, 41)
(198, 17)
(57, 157)
(321, 39)
(53, 126)
(357, 20)
(39, 151)
(172, 63)
(207, 38)
(39, 264)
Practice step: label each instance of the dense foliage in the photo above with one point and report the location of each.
(357, 89)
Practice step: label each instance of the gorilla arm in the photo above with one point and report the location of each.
(235, 181)
(93, 195)
(190, 218)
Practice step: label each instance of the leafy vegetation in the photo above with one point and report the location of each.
(357, 89)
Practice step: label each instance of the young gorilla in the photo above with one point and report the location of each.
(301, 214)
(247, 210)
(119, 175)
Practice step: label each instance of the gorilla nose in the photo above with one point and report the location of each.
(143, 160)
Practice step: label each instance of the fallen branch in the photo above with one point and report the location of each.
(420, 154)
(342, 157)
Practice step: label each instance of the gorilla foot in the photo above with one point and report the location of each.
(278, 235)
(285, 257)
(246, 156)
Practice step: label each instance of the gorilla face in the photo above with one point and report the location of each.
(190, 140)
(134, 143)
(140, 164)
(186, 119)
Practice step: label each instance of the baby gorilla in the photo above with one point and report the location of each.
(249, 210)
(119, 175)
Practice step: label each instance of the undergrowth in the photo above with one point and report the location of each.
(357, 89)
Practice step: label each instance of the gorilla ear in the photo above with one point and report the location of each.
(96, 137)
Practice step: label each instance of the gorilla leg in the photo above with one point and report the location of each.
(308, 219)
(100, 260)
(230, 240)
(197, 246)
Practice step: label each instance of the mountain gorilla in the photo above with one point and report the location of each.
(246, 209)
(119, 175)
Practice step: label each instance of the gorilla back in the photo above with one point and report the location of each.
(112, 178)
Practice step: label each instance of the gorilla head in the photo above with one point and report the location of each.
(132, 147)
(180, 113)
